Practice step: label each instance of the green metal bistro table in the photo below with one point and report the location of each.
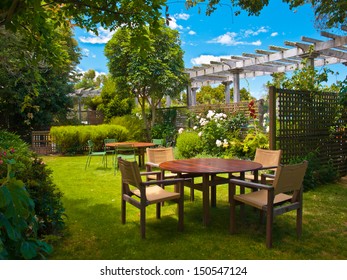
(208, 169)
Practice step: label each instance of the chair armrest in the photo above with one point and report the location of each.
(272, 176)
(152, 164)
(165, 182)
(268, 167)
(150, 173)
(251, 185)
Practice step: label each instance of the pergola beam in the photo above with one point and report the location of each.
(276, 59)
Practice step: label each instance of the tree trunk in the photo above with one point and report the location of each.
(142, 101)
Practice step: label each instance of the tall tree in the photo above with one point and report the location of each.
(33, 15)
(112, 102)
(33, 93)
(151, 75)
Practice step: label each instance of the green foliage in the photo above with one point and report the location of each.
(151, 75)
(34, 87)
(35, 174)
(245, 148)
(343, 94)
(73, 139)
(216, 95)
(188, 144)
(216, 129)
(18, 222)
(317, 173)
(114, 103)
(133, 124)
(165, 127)
(33, 16)
(305, 78)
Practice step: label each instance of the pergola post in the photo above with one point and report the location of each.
(236, 80)
(168, 101)
(227, 91)
(193, 95)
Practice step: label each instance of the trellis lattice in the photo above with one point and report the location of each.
(308, 122)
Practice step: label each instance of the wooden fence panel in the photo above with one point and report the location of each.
(307, 122)
(41, 143)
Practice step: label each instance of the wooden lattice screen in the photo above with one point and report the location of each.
(303, 122)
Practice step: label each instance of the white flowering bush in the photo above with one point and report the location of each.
(216, 129)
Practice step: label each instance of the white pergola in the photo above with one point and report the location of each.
(266, 62)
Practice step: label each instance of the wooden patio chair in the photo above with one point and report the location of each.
(285, 194)
(155, 156)
(270, 159)
(92, 153)
(142, 194)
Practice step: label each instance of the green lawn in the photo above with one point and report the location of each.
(94, 230)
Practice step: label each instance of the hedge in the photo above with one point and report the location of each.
(73, 139)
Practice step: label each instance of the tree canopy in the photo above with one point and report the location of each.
(34, 87)
(151, 75)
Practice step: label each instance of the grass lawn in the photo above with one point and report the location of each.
(94, 231)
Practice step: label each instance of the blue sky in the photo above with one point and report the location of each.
(205, 38)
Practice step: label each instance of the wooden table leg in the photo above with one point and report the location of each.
(213, 191)
(242, 191)
(206, 199)
(141, 154)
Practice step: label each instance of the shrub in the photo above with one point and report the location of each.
(18, 220)
(216, 129)
(316, 173)
(38, 181)
(189, 145)
(165, 128)
(133, 124)
(73, 139)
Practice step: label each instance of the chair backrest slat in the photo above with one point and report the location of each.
(130, 172)
(268, 157)
(289, 177)
(159, 155)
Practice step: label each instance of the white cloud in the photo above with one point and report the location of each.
(173, 24)
(182, 16)
(235, 39)
(251, 32)
(206, 59)
(81, 71)
(274, 34)
(85, 52)
(256, 43)
(103, 37)
(191, 32)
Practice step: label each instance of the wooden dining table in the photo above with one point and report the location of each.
(209, 169)
(139, 146)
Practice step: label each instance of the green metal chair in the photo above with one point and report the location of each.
(124, 151)
(158, 142)
(91, 153)
(109, 150)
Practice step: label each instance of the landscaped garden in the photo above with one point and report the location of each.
(94, 230)
(56, 207)
(78, 217)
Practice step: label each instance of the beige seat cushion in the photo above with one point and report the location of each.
(258, 199)
(157, 194)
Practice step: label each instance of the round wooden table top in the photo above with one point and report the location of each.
(209, 165)
(134, 144)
